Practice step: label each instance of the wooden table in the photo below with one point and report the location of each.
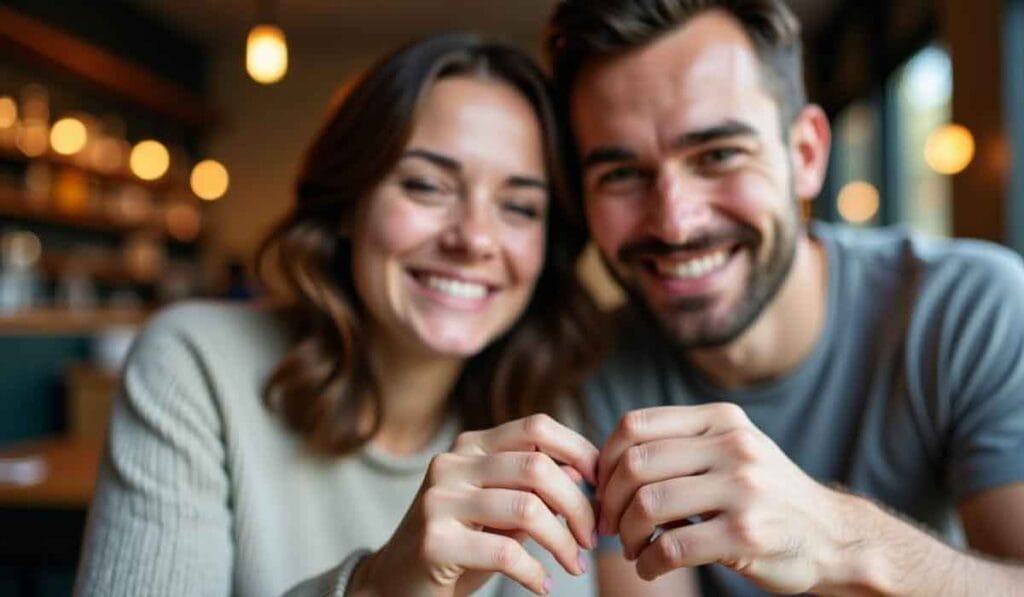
(43, 521)
(68, 473)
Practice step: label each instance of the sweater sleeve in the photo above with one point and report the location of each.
(160, 521)
(333, 583)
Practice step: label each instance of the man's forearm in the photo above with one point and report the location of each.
(887, 555)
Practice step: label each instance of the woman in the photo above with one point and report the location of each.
(430, 258)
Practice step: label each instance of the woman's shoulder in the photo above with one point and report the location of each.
(206, 332)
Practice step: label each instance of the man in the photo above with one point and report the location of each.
(782, 395)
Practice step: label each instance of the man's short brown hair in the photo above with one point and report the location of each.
(580, 30)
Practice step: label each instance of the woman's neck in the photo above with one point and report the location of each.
(414, 388)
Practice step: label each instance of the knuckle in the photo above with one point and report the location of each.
(506, 555)
(439, 467)
(634, 460)
(634, 423)
(534, 465)
(669, 551)
(730, 413)
(538, 426)
(743, 445)
(526, 507)
(745, 533)
(464, 440)
(648, 501)
(747, 480)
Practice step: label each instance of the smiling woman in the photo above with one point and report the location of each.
(315, 449)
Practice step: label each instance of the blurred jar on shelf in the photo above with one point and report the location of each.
(20, 285)
(32, 137)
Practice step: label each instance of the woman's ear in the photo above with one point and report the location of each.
(810, 139)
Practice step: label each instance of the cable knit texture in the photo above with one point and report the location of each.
(202, 491)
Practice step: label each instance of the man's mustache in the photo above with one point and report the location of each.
(655, 247)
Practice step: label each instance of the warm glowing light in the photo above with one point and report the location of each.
(266, 54)
(33, 138)
(8, 112)
(183, 220)
(949, 149)
(68, 136)
(149, 160)
(209, 180)
(858, 202)
(21, 249)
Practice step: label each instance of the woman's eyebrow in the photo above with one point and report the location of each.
(446, 162)
(527, 181)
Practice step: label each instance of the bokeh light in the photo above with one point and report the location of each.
(209, 180)
(8, 112)
(858, 202)
(949, 149)
(266, 54)
(149, 160)
(68, 136)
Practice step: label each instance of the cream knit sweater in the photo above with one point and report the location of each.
(203, 492)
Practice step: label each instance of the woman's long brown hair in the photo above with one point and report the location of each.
(324, 382)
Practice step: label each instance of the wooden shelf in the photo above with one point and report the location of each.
(166, 184)
(66, 322)
(13, 204)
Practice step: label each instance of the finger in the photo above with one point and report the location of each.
(651, 462)
(663, 422)
(573, 474)
(534, 433)
(509, 509)
(478, 550)
(668, 501)
(689, 546)
(538, 473)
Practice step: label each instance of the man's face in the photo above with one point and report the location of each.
(687, 178)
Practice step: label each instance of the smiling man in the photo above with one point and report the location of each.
(792, 407)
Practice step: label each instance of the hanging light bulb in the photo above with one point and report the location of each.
(266, 54)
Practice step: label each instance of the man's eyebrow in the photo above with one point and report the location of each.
(528, 182)
(729, 128)
(446, 162)
(606, 154)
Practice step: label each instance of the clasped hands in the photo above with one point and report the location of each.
(682, 486)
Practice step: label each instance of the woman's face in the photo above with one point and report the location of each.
(448, 247)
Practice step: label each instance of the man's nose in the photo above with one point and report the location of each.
(677, 206)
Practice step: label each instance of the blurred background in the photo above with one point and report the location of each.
(146, 145)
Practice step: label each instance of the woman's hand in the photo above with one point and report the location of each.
(478, 503)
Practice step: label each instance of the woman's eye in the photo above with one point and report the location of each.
(524, 210)
(417, 185)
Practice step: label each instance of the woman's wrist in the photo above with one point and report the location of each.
(358, 574)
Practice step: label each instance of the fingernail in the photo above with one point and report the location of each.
(582, 563)
(548, 583)
(593, 540)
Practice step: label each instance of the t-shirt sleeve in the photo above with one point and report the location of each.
(980, 342)
(160, 522)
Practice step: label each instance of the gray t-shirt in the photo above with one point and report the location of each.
(913, 395)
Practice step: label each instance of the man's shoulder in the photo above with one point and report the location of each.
(928, 262)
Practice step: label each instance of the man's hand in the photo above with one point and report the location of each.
(759, 514)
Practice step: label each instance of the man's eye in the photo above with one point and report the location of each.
(622, 173)
(719, 156)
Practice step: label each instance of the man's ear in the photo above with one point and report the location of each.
(810, 139)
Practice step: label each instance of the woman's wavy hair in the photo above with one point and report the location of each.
(324, 382)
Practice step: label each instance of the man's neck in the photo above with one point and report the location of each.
(785, 333)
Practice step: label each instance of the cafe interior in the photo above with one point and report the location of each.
(147, 145)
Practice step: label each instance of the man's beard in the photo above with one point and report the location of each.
(762, 285)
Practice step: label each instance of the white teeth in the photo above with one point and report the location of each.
(456, 288)
(694, 268)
